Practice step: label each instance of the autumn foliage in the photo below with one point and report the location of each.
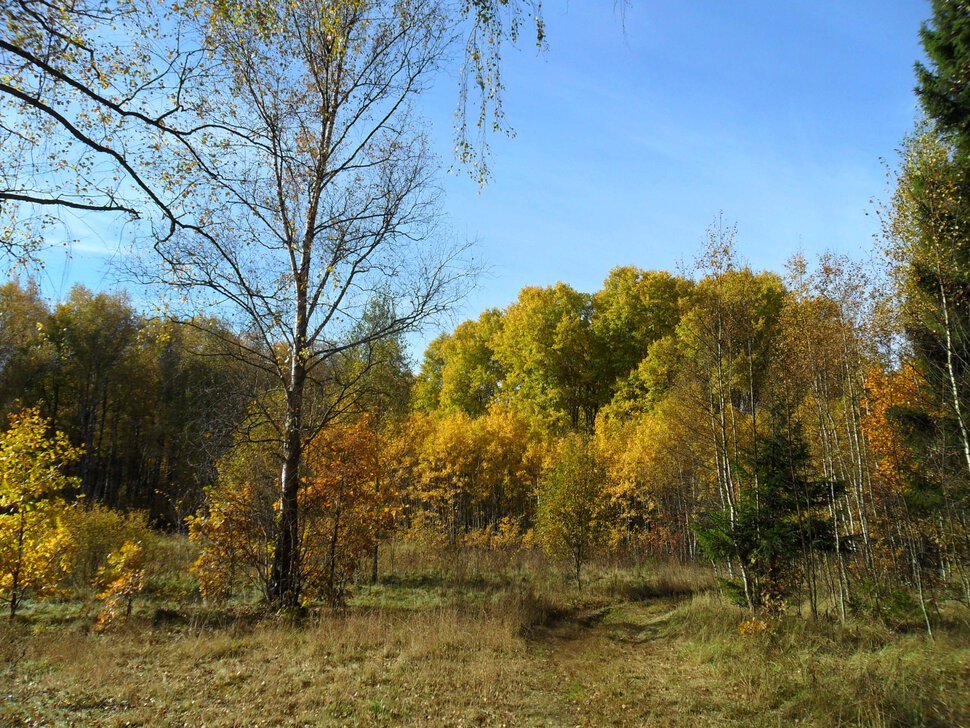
(33, 540)
(346, 505)
(123, 579)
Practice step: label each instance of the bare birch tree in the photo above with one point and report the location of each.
(310, 208)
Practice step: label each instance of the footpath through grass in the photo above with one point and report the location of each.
(650, 648)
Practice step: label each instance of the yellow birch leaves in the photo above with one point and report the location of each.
(32, 538)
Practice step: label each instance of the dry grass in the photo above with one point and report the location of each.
(359, 668)
(479, 640)
(827, 674)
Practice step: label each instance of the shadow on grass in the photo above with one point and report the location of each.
(647, 591)
(435, 581)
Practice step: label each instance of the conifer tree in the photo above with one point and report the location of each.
(777, 522)
(944, 86)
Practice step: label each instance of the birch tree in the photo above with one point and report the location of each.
(312, 208)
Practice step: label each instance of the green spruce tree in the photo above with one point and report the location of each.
(944, 85)
(779, 521)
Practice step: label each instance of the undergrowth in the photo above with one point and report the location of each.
(826, 673)
(483, 638)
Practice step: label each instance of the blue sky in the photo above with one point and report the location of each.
(633, 133)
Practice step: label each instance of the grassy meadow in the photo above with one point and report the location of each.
(478, 638)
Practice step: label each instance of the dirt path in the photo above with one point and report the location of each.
(614, 666)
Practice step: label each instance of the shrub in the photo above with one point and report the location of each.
(96, 532)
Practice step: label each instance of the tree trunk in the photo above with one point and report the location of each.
(951, 376)
(332, 596)
(284, 583)
(15, 577)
